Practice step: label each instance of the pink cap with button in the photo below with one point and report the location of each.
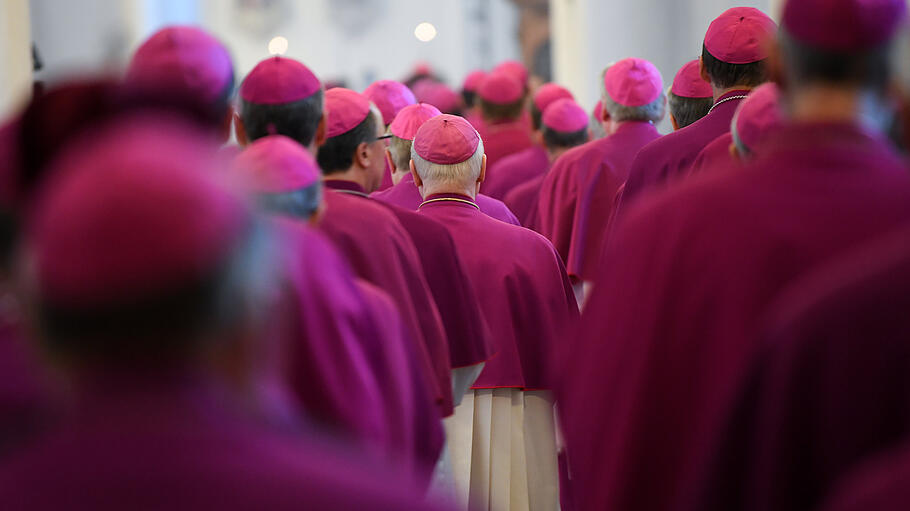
(437, 94)
(279, 80)
(515, 69)
(390, 97)
(345, 109)
(411, 118)
(548, 93)
(185, 57)
(134, 209)
(446, 140)
(688, 82)
(276, 164)
(564, 115)
(740, 35)
(843, 25)
(472, 81)
(633, 82)
(757, 115)
(500, 88)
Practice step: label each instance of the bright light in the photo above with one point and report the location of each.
(278, 45)
(425, 32)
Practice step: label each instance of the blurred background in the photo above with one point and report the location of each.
(355, 42)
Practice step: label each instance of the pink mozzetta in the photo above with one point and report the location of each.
(500, 88)
(548, 93)
(472, 81)
(437, 94)
(688, 82)
(411, 118)
(843, 25)
(279, 80)
(740, 35)
(446, 140)
(515, 69)
(346, 109)
(633, 82)
(757, 115)
(276, 164)
(564, 115)
(132, 210)
(390, 97)
(184, 57)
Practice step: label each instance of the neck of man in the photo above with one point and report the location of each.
(398, 175)
(555, 152)
(718, 92)
(828, 103)
(354, 175)
(429, 189)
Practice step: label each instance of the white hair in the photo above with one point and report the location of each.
(653, 111)
(461, 175)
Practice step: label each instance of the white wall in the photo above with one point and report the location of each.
(589, 34)
(15, 56)
(359, 40)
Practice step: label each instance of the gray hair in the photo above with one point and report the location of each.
(400, 149)
(458, 174)
(653, 111)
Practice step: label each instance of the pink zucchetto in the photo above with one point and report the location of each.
(564, 115)
(184, 57)
(135, 209)
(390, 97)
(437, 94)
(472, 81)
(548, 93)
(411, 118)
(633, 82)
(279, 80)
(515, 69)
(757, 115)
(688, 82)
(446, 140)
(345, 109)
(276, 164)
(843, 25)
(740, 35)
(500, 88)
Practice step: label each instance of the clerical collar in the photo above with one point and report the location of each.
(451, 198)
(348, 187)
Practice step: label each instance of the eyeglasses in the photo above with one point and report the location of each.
(383, 137)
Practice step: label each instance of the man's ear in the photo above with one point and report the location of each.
(321, 137)
(224, 134)
(417, 181)
(674, 123)
(734, 153)
(702, 71)
(483, 170)
(391, 162)
(317, 215)
(239, 130)
(362, 155)
(538, 137)
(775, 66)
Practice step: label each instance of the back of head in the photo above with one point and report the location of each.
(439, 95)
(756, 116)
(403, 130)
(839, 42)
(633, 91)
(501, 97)
(390, 97)
(736, 47)
(187, 59)
(690, 97)
(281, 96)
(470, 85)
(564, 125)
(447, 153)
(543, 97)
(135, 246)
(350, 123)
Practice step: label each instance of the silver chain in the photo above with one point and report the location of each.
(731, 98)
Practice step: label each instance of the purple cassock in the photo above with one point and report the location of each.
(576, 198)
(715, 155)
(882, 484)
(500, 139)
(406, 195)
(381, 252)
(670, 159)
(514, 170)
(827, 391)
(522, 200)
(526, 298)
(351, 365)
(170, 443)
(672, 321)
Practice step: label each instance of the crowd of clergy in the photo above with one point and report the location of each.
(261, 292)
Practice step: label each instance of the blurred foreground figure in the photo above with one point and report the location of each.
(502, 437)
(673, 320)
(144, 276)
(405, 193)
(882, 484)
